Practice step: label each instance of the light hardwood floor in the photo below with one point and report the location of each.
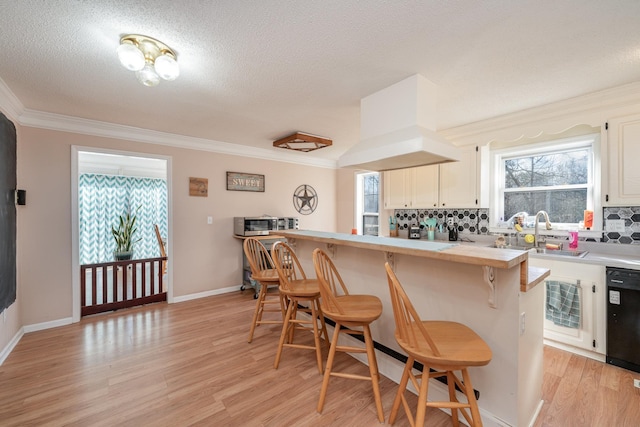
(189, 364)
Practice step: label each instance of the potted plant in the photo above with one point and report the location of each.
(123, 234)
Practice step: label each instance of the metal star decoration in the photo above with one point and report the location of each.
(305, 199)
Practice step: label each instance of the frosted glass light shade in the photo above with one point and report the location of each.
(167, 67)
(130, 57)
(147, 76)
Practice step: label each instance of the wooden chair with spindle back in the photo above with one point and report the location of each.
(440, 345)
(299, 290)
(355, 313)
(265, 274)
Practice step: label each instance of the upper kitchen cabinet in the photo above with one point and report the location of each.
(623, 171)
(411, 188)
(447, 185)
(459, 180)
(398, 188)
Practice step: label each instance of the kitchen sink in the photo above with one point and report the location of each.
(558, 252)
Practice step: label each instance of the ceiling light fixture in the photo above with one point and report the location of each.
(302, 142)
(149, 58)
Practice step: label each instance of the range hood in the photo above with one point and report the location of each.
(397, 129)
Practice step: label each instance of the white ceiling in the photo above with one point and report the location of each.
(254, 71)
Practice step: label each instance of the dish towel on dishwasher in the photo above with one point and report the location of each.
(563, 304)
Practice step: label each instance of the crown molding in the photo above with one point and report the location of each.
(592, 109)
(10, 105)
(58, 122)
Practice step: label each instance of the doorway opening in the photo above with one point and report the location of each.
(106, 185)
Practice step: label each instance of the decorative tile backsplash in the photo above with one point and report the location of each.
(476, 221)
(631, 217)
(469, 221)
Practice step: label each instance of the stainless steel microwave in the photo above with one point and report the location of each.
(254, 226)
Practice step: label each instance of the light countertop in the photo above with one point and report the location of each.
(474, 254)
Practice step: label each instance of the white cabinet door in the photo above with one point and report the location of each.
(624, 152)
(458, 180)
(592, 304)
(451, 185)
(398, 188)
(425, 186)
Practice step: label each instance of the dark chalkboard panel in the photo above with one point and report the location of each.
(7, 212)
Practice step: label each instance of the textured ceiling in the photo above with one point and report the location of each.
(254, 71)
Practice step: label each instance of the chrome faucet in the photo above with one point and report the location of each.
(547, 225)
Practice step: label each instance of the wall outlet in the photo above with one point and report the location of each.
(614, 225)
(209, 220)
(523, 317)
(636, 383)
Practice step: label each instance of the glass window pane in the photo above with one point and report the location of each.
(370, 190)
(564, 168)
(370, 225)
(564, 206)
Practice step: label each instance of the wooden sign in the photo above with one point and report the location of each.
(198, 187)
(238, 181)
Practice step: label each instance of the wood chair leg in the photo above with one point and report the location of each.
(327, 370)
(293, 325)
(316, 333)
(373, 369)
(324, 326)
(401, 388)
(451, 382)
(471, 398)
(422, 397)
(284, 333)
(257, 314)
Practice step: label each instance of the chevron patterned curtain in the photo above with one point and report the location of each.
(102, 198)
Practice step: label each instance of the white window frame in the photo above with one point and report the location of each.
(360, 200)
(498, 157)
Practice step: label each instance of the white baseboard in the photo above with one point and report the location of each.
(11, 345)
(47, 325)
(579, 351)
(206, 294)
(535, 415)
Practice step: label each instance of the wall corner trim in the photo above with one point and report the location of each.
(11, 345)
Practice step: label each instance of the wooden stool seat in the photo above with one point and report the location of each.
(440, 345)
(270, 275)
(458, 345)
(355, 313)
(357, 308)
(264, 272)
(302, 288)
(298, 290)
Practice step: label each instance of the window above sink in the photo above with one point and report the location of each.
(558, 176)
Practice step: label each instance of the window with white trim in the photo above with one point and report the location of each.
(368, 192)
(556, 177)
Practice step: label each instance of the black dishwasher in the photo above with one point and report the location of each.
(623, 318)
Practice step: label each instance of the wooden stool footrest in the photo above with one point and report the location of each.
(350, 349)
(447, 404)
(304, 346)
(269, 322)
(350, 376)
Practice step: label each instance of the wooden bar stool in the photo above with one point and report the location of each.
(350, 311)
(295, 286)
(263, 272)
(443, 346)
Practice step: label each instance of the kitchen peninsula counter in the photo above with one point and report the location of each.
(454, 252)
(492, 291)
